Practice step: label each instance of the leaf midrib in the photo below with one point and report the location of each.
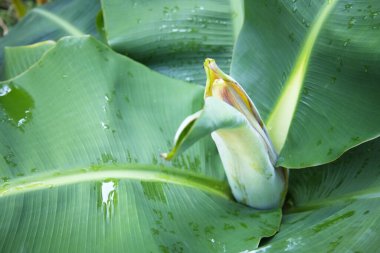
(281, 117)
(141, 172)
(59, 21)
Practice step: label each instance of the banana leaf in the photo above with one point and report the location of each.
(81, 128)
(311, 67)
(51, 22)
(174, 37)
(80, 134)
(334, 207)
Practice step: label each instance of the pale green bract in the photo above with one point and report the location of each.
(244, 146)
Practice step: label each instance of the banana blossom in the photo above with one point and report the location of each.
(244, 146)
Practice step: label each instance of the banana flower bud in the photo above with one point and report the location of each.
(246, 151)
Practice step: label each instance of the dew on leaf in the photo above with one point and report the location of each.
(351, 22)
(9, 158)
(17, 105)
(107, 158)
(348, 6)
(108, 197)
(105, 125)
(346, 42)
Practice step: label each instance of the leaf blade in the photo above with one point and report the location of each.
(337, 98)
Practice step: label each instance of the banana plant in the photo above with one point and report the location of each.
(83, 122)
(246, 150)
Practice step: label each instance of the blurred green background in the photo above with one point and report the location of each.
(11, 11)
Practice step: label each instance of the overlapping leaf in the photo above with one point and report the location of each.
(335, 206)
(51, 22)
(174, 37)
(80, 168)
(311, 68)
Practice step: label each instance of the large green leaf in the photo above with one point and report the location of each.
(80, 134)
(311, 68)
(53, 21)
(174, 37)
(19, 59)
(335, 207)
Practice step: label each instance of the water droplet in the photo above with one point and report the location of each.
(348, 6)
(17, 104)
(294, 9)
(181, 30)
(293, 244)
(9, 158)
(346, 42)
(104, 125)
(373, 14)
(351, 22)
(107, 158)
(162, 27)
(108, 197)
(108, 189)
(366, 67)
(305, 23)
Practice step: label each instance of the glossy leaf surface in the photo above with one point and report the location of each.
(51, 22)
(174, 37)
(311, 69)
(19, 59)
(80, 169)
(335, 206)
